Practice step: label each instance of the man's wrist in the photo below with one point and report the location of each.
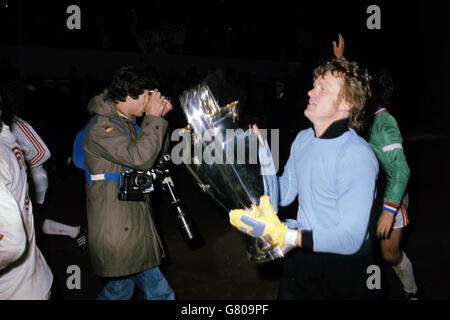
(152, 114)
(299, 238)
(390, 207)
(290, 238)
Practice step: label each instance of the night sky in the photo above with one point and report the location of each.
(412, 43)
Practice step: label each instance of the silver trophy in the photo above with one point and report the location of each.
(238, 170)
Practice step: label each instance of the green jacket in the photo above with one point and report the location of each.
(386, 142)
(122, 236)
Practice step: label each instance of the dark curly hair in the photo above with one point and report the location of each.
(356, 86)
(129, 82)
(382, 91)
(11, 102)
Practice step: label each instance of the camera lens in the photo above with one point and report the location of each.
(143, 181)
(186, 228)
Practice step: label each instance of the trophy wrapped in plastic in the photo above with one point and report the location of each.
(228, 160)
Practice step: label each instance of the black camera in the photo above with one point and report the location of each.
(134, 185)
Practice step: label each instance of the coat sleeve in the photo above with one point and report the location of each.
(166, 143)
(12, 231)
(108, 140)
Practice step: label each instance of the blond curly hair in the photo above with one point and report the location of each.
(356, 86)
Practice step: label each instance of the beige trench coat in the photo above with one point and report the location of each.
(122, 236)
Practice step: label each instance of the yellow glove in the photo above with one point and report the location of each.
(260, 222)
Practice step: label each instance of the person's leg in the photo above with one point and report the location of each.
(154, 285)
(78, 233)
(302, 276)
(120, 289)
(288, 289)
(52, 227)
(345, 277)
(390, 249)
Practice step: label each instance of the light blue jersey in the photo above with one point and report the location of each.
(334, 180)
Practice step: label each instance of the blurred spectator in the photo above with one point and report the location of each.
(24, 273)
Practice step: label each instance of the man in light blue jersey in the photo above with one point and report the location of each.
(332, 171)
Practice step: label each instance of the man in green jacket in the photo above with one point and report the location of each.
(123, 242)
(385, 139)
(386, 142)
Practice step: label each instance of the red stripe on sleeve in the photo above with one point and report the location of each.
(391, 204)
(34, 141)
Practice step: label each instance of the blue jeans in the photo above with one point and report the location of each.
(152, 282)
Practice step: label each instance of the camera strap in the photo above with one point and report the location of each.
(112, 176)
(78, 155)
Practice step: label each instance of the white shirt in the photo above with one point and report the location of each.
(29, 277)
(32, 145)
(35, 152)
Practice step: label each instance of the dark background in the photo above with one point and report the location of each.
(241, 37)
(412, 43)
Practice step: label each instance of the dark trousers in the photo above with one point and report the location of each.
(319, 276)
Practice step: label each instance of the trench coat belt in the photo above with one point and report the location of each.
(96, 177)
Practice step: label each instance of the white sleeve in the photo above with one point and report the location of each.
(40, 180)
(12, 231)
(35, 150)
